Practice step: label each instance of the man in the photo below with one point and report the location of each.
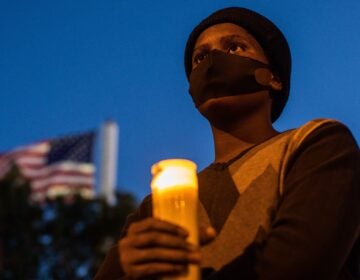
(283, 205)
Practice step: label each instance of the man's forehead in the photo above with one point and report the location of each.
(224, 28)
(224, 32)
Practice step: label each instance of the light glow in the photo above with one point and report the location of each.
(174, 173)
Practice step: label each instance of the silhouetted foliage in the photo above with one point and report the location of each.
(56, 240)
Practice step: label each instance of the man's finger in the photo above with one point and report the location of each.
(164, 255)
(159, 239)
(145, 271)
(157, 225)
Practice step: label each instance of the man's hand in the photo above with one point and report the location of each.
(155, 248)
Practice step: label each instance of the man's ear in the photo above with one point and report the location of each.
(265, 77)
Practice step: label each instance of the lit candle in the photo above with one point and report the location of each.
(175, 198)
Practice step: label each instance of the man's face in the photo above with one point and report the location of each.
(228, 38)
(231, 39)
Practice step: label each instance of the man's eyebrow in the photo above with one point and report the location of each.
(202, 47)
(223, 40)
(228, 38)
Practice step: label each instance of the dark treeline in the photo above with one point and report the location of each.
(56, 240)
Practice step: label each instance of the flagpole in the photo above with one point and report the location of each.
(109, 152)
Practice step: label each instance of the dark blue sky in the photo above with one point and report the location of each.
(66, 66)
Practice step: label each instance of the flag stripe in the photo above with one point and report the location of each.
(55, 166)
(61, 180)
(40, 171)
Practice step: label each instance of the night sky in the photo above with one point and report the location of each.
(67, 66)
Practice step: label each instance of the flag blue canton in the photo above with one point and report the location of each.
(77, 148)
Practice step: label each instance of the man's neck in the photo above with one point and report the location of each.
(232, 140)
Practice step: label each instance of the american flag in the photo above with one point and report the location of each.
(61, 166)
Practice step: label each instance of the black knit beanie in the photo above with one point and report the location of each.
(270, 39)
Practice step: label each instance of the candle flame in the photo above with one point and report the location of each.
(174, 173)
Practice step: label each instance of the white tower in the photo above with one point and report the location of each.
(108, 160)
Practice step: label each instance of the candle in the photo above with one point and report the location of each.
(175, 198)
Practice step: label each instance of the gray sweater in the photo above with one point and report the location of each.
(287, 208)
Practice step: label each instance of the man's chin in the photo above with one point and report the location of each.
(215, 108)
(208, 102)
(229, 108)
(218, 101)
(238, 100)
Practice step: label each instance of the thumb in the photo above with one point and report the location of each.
(207, 234)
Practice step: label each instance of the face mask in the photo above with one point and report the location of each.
(221, 74)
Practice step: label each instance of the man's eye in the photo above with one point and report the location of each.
(236, 47)
(199, 57)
